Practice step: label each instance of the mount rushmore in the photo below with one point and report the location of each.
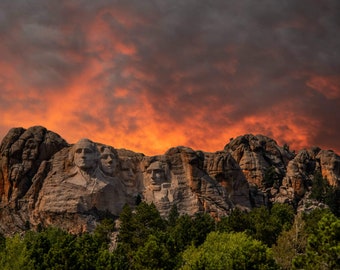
(46, 181)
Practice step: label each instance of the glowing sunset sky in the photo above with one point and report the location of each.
(149, 75)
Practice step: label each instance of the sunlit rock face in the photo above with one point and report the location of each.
(329, 163)
(300, 170)
(194, 182)
(258, 156)
(276, 174)
(82, 182)
(298, 181)
(45, 181)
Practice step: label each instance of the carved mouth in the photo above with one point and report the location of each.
(129, 183)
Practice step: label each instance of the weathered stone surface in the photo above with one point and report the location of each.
(257, 154)
(224, 169)
(82, 182)
(45, 181)
(194, 181)
(306, 204)
(300, 173)
(263, 162)
(300, 170)
(329, 163)
(73, 186)
(22, 152)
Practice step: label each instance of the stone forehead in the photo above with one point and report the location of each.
(157, 165)
(127, 163)
(106, 151)
(85, 143)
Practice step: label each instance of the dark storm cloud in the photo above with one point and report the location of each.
(201, 65)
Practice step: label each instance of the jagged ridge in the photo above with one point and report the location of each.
(42, 184)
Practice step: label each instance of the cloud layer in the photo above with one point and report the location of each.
(148, 75)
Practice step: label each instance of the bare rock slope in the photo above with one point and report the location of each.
(45, 181)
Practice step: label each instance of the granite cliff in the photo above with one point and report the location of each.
(46, 181)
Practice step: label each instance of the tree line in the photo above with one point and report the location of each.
(264, 238)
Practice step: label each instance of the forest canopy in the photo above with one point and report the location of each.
(275, 238)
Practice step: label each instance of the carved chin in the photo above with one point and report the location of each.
(84, 165)
(108, 171)
(129, 183)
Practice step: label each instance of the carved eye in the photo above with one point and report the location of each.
(87, 151)
(106, 156)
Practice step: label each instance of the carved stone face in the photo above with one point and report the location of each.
(85, 155)
(108, 162)
(30, 151)
(156, 173)
(16, 172)
(128, 173)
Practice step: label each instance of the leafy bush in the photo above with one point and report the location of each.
(229, 251)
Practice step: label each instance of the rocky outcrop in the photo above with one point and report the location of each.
(49, 182)
(300, 170)
(276, 174)
(258, 154)
(195, 181)
(22, 152)
(329, 164)
(263, 162)
(224, 170)
(45, 181)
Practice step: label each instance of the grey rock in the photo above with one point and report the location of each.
(45, 181)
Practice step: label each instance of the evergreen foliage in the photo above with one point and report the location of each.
(291, 243)
(148, 241)
(266, 224)
(237, 221)
(323, 246)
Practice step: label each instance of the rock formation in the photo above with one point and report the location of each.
(22, 152)
(329, 164)
(45, 181)
(262, 162)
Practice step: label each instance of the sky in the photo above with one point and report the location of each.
(154, 74)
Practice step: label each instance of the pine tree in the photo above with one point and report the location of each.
(323, 246)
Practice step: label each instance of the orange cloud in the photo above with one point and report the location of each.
(329, 86)
(148, 76)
